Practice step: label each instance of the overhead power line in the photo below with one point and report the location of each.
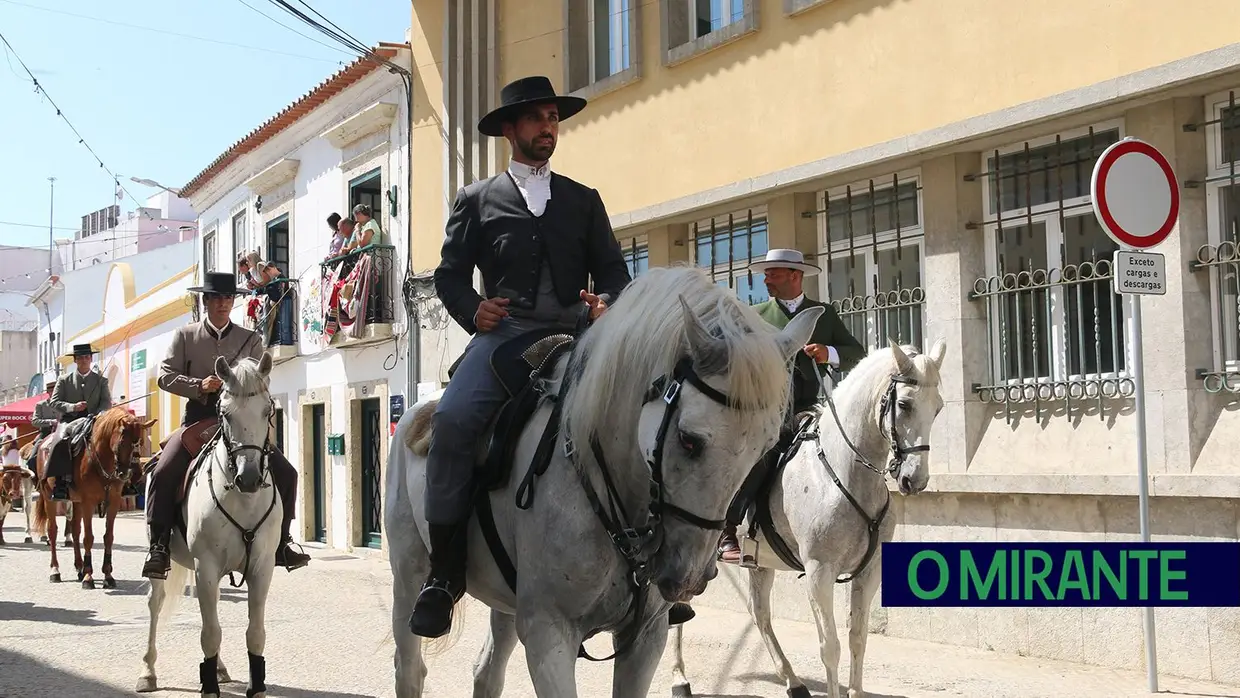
(172, 33)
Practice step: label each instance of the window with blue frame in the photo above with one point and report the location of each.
(725, 245)
(636, 256)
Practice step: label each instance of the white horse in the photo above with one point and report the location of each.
(13, 479)
(829, 504)
(666, 408)
(232, 515)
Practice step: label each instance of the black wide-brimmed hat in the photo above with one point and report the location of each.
(536, 89)
(219, 282)
(81, 350)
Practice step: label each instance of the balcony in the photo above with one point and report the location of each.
(357, 298)
(272, 312)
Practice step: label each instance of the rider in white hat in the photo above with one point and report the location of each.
(830, 344)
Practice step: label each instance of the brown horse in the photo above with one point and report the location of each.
(101, 472)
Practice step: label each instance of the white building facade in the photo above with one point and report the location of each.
(339, 386)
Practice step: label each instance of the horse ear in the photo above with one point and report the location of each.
(795, 336)
(903, 363)
(264, 364)
(705, 349)
(937, 352)
(222, 370)
(150, 423)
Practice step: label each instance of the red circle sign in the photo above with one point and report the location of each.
(1135, 194)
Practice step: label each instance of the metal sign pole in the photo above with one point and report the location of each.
(1138, 208)
(1143, 477)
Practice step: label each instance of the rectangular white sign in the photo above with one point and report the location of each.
(1142, 273)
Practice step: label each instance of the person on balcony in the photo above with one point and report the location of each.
(333, 248)
(532, 282)
(79, 395)
(278, 316)
(188, 371)
(368, 231)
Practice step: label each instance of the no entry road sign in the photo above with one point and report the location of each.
(1135, 195)
(1137, 202)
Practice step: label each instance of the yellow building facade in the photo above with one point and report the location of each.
(934, 158)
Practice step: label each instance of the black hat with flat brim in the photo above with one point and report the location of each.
(536, 89)
(217, 282)
(81, 350)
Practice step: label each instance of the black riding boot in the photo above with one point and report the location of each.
(157, 561)
(432, 613)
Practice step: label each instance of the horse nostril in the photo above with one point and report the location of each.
(907, 483)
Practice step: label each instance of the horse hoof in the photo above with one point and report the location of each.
(88, 584)
(146, 685)
(799, 692)
(109, 583)
(28, 540)
(685, 691)
(55, 578)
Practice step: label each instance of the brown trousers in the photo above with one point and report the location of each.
(169, 474)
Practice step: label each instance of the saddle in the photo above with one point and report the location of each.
(521, 364)
(77, 434)
(194, 438)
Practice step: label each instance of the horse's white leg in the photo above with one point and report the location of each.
(863, 588)
(256, 632)
(760, 583)
(493, 659)
(822, 601)
(680, 683)
(409, 560)
(634, 670)
(154, 604)
(207, 586)
(28, 507)
(551, 654)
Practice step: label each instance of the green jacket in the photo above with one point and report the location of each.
(829, 331)
(70, 389)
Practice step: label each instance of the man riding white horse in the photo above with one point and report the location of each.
(536, 236)
(189, 371)
(79, 396)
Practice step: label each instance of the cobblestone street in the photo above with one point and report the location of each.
(328, 636)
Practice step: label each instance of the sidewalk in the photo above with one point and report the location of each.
(329, 636)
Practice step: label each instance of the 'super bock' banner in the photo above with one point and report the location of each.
(1061, 574)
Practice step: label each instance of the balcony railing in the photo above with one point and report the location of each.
(357, 292)
(276, 314)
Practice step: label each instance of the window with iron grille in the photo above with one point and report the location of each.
(725, 245)
(871, 235)
(1056, 329)
(1220, 257)
(636, 255)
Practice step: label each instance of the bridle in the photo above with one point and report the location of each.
(886, 413)
(232, 448)
(634, 542)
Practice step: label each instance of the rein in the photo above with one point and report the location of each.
(633, 543)
(231, 449)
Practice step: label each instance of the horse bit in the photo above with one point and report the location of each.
(232, 449)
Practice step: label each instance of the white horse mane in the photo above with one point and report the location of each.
(642, 337)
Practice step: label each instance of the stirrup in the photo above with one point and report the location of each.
(302, 559)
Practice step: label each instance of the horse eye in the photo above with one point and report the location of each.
(691, 443)
(906, 405)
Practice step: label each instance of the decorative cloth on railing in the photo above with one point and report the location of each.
(346, 286)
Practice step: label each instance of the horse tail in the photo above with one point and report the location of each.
(174, 590)
(41, 514)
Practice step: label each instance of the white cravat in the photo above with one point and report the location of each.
(534, 184)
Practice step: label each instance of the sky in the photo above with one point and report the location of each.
(157, 88)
